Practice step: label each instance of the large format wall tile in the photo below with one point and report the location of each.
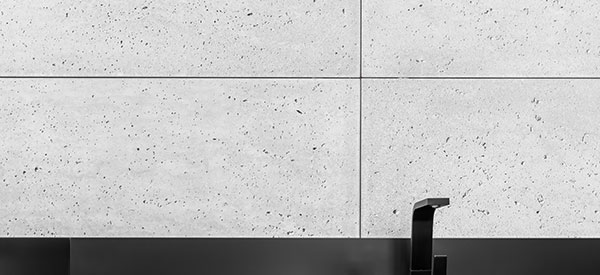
(487, 38)
(191, 38)
(102, 157)
(518, 158)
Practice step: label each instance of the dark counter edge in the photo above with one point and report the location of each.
(35, 256)
(333, 256)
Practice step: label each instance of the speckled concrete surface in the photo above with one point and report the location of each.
(518, 158)
(198, 38)
(481, 38)
(106, 157)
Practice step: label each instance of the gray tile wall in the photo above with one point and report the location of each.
(481, 38)
(162, 157)
(271, 118)
(180, 38)
(516, 157)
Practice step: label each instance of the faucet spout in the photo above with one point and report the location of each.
(422, 235)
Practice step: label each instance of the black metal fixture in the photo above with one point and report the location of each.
(422, 239)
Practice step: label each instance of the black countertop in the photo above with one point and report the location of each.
(183, 256)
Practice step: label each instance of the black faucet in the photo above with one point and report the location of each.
(421, 239)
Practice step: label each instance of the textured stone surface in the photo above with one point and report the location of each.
(481, 38)
(195, 38)
(518, 158)
(102, 157)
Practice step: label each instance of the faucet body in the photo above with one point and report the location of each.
(421, 260)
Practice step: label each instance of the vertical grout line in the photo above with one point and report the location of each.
(360, 123)
(360, 41)
(359, 158)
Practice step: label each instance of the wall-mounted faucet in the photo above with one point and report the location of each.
(422, 239)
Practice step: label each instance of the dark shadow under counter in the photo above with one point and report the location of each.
(34, 256)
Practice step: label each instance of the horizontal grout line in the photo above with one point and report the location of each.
(175, 77)
(315, 78)
(486, 77)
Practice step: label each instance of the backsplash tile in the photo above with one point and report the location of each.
(200, 118)
(481, 38)
(180, 38)
(139, 157)
(518, 158)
